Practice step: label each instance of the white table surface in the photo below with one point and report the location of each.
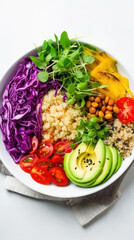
(108, 24)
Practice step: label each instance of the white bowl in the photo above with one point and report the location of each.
(60, 193)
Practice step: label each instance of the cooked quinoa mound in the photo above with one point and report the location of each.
(59, 119)
(121, 137)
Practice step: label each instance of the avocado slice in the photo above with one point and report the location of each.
(119, 163)
(86, 166)
(114, 161)
(74, 168)
(106, 168)
(70, 176)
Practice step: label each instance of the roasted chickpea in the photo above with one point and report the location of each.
(99, 105)
(103, 103)
(94, 104)
(103, 109)
(110, 108)
(91, 99)
(111, 119)
(97, 99)
(111, 102)
(116, 109)
(97, 113)
(88, 104)
(102, 96)
(92, 110)
(107, 112)
(108, 116)
(101, 114)
(107, 99)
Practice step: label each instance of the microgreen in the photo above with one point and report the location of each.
(65, 61)
(43, 76)
(90, 131)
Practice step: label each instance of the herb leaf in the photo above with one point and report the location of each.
(40, 64)
(88, 59)
(43, 76)
(64, 40)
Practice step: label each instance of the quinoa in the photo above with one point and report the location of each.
(59, 120)
(121, 137)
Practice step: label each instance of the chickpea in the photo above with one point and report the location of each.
(110, 108)
(107, 99)
(103, 109)
(116, 109)
(88, 104)
(91, 99)
(97, 113)
(94, 104)
(99, 105)
(111, 119)
(111, 102)
(101, 114)
(102, 96)
(103, 103)
(108, 116)
(97, 99)
(107, 112)
(92, 110)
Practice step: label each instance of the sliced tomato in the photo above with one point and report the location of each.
(45, 162)
(126, 105)
(27, 162)
(58, 176)
(35, 143)
(63, 147)
(40, 174)
(57, 159)
(45, 149)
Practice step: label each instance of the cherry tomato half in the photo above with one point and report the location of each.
(57, 159)
(63, 147)
(45, 149)
(45, 162)
(35, 143)
(40, 174)
(58, 176)
(126, 105)
(27, 162)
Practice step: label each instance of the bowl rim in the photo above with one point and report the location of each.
(35, 186)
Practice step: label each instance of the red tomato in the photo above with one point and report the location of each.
(27, 162)
(57, 159)
(58, 176)
(44, 162)
(35, 144)
(45, 149)
(126, 105)
(40, 174)
(63, 147)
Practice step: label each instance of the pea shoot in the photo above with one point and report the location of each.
(90, 131)
(64, 60)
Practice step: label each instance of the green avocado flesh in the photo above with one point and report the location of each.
(86, 162)
(87, 166)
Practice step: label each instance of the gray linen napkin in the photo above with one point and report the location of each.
(85, 209)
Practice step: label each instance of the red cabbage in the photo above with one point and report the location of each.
(20, 114)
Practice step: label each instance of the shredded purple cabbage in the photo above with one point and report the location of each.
(20, 114)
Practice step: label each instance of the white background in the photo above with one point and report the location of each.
(108, 24)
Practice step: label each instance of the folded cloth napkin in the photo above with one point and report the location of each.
(85, 209)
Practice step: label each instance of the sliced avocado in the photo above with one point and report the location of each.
(97, 163)
(114, 162)
(70, 176)
(106, 168)
(119, 163)
(86, 167)
(74, 168)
